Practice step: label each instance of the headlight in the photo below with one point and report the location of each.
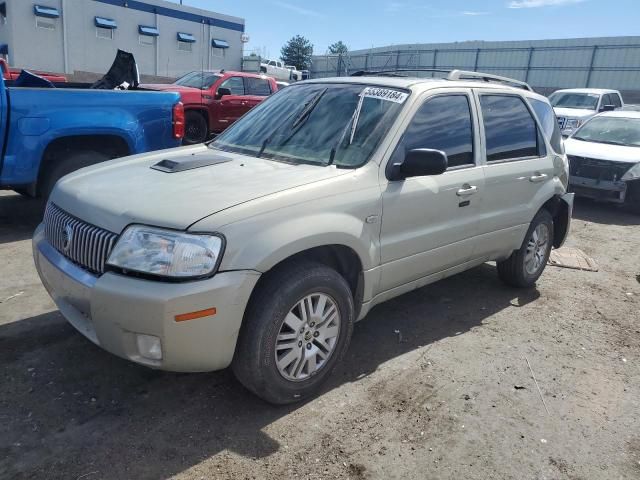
(573, 123)
(166, 253)
(633, 173)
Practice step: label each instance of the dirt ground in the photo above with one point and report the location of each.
(450, 396)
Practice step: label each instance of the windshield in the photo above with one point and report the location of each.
(316, 123)
(201, 80)
(586, 101)
(611, 130)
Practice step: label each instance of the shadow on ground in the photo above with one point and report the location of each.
(19, 216)
(68, 408)
(603, 213)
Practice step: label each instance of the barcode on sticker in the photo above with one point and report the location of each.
(385, 94)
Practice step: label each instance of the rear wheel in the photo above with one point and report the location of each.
(196, 130)
(297, 329)
(64, 166)
(525, 265)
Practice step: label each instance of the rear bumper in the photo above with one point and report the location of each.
(605, 190)
(112, 310)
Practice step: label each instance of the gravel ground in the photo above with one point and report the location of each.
(449, 397)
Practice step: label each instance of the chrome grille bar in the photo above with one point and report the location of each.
(88, 246)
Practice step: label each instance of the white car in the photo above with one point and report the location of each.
(604, 158)
(280, 71)
(261, 249)
(575, 106)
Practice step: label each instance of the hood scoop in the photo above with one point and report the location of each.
(180, 165)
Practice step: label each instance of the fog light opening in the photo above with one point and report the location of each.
(149, 346)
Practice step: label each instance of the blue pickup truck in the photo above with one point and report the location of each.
(46, 133)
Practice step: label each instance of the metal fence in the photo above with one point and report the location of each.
(604, 63)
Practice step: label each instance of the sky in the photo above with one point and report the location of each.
(366, 23)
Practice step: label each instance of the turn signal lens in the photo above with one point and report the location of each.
(193, 315)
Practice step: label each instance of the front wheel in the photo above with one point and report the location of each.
(525, 265)
(297, 329)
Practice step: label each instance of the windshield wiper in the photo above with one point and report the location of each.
(306, 111)
(353, 122)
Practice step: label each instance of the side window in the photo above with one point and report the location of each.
(510, 130)
(258, 86)
(615, 98)
(606, 100)
(235, 84)
(441, 123)
(549, 123)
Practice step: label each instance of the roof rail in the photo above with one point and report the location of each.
(464, 74)
(396, 72)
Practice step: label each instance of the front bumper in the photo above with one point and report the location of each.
(112, 309)
(609, 191)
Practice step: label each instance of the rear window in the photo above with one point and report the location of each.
(258, 86)
(549, 123)
(510, 130)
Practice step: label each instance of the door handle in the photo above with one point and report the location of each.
(537, 177)
(467, 190)
(244, 104)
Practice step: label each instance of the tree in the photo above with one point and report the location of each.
(297, 52)
(338, 48)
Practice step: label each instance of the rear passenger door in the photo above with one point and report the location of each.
(257, 89)
(517, 165)
(429, 222)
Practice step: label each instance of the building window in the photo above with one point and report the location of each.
(147, 35)
(106, 33)
(185, 42)
(147, 40)
(3, 13)
(185, 47)
(46, 23)
(105, 27)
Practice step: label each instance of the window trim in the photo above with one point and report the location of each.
(476, 147)
(542, 152)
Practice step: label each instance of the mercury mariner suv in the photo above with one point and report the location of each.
(261, 249)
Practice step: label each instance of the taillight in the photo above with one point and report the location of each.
(178, 120)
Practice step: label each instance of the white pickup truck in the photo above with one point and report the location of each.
(575, 106)
(280, 71)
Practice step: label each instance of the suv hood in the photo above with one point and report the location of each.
(574, 112)
(602, 151)
(119, 192)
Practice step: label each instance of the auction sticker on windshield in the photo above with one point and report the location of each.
(385, 94)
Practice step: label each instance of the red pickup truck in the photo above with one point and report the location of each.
(9, 73)
(213, 100)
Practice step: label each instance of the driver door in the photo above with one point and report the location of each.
(429, 223)
(230, 107)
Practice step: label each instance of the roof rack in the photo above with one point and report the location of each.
(397, 72)
(463, 74)
(451, 75)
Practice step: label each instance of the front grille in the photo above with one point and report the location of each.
(562, 121)
(597, 169)
(79, 241)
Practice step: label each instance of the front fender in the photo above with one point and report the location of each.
(261, 243)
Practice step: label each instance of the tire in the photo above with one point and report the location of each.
(196, 129)
(277, 300)
(521, 269)
(60, 168)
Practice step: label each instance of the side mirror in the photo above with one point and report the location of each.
(607, 108)
(222, 91)
(420, 162)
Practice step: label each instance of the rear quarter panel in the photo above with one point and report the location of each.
(39, 116)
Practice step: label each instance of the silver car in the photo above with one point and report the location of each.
(262, 249)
